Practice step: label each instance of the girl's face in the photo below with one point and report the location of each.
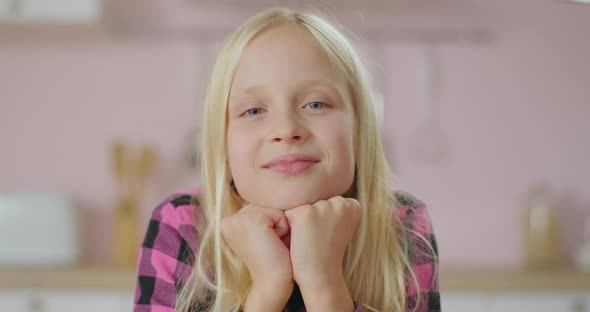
(287, 100)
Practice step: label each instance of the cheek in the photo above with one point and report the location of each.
(234, 149)
(241, 149)
(339, 137)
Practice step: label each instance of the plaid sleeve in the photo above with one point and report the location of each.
(166, 254)
(415, 217)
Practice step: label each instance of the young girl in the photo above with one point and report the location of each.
(296, 212)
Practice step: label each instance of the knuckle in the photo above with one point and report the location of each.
(251, 218)
(339, 200)
(322, 204)
(307, 211)
(226, 226)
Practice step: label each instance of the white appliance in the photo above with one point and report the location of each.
(74, 12)
(38, 229)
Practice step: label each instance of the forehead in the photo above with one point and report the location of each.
(285, 57)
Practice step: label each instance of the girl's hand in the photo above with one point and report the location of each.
(320, 234)
(254, 235)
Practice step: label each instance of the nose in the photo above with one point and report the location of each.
(288, 128)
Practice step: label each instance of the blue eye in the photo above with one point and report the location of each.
(315, 105)
(253, 111)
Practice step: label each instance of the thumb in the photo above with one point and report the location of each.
(282, 226)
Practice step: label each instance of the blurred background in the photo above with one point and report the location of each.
(484, 105)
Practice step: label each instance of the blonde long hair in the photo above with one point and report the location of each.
(376, 262)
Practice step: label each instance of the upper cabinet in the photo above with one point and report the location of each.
(50, 11)
(399, 20)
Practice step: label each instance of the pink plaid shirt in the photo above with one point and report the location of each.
(170, 242)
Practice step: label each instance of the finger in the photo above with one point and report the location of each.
(353, 202)
(275, 215)
(322, 204)
(282, 227)
(246, 206)
(290, 215)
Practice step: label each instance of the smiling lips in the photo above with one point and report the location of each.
(291, 164)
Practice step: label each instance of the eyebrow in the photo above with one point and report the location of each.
(303, 85)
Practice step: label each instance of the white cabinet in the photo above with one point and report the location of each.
(86, 300)
(538, 302)
(14, 301)
(516, 302)
(457, 302)
(50, 11)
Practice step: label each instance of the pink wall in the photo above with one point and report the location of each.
(515, 108)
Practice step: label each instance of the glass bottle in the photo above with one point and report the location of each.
(583, 251)
(541, 230)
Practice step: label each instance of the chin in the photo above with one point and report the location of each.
(285, 197)
(295, 199)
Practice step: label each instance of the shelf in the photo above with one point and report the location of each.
(450, 281)
(559, 280)
(69, 278)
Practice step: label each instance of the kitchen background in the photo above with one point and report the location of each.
(482, 100)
